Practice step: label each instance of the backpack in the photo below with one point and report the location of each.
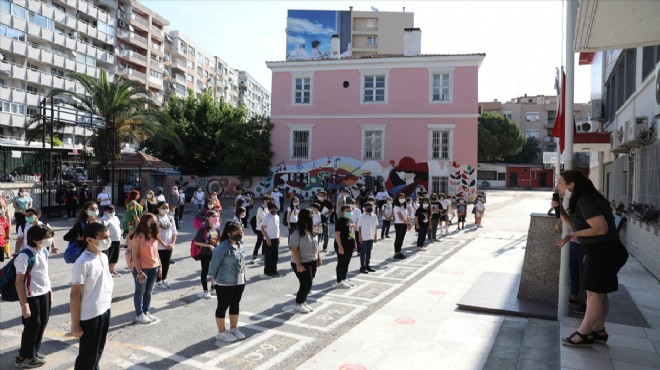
(128, 255)
(75, 248)
(196, 250)
(8, 276)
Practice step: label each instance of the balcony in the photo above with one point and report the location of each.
(179, 52)
(550, 122)
(132, 74)
(134, 39)
(156, 49)
(133, 56)
(180, 78)
(157, 33)
(138, 21)
(178, 64)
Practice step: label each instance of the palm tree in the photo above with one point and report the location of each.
(121, 104)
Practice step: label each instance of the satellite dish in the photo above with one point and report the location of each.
(374, 9)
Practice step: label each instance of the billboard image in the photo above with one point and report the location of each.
(309, 33)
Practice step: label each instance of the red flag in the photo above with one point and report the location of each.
(560, 122)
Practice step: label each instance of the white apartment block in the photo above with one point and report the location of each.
(254, 97)
(41, 42)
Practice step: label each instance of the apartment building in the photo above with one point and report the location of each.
(41, 42)
(140, 47)
(309, 33)
(536, 115)
(252, 95)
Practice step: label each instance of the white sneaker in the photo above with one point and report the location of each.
(301, 308)
(343, 285)
(307, 307)
(205, 294)
(166, 284)
(212, 292)
(350, 283)
(150, 316)
(226, 336)
(160, 286)
(143, 319)
(237, 333)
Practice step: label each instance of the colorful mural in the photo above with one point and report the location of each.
(306, 179)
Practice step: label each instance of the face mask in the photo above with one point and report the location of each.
(104, 244)
(149, 196)
(110, 215)
(164, 212)
(30, 219)
(241, 216)
(237, 238)
(172, 213)
(209, 206)
(348, 214)
(401, 200)
(321, 199)
(73, 189)
(92, 213)
(22, 193)
(389, 202)
(199, 190)
(213, 220)
(153, 227)
(425, 206)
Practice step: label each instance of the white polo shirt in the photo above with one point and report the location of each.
(368, 224)
(271, 223)
(22, 233)
(404, 212)
(114, 225)
(91, 270)
(37, 282)
(104, 199)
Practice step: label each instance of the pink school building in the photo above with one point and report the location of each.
(396, 121)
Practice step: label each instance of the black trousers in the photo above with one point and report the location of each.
(343, 260)
(421, 233)
(20, 221)
(206, 261)
(71, 209)
(35, 325)
(92, 341)
(179, 212)
(400, 230)
(326, 235)
(305, 278)
(165, 257)
(272, 253)
(113, 252)
(385, 230)
(260, 240)
(229, 296)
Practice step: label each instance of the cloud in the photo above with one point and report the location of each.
(295, 39)
(306, 26)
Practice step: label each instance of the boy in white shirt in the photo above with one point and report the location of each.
(91, 296)
(270, 228)
(356, 213)
(104, 198)
(34, 294)
(388, 215)
(32, 219)
(262, 211)
(114, 225)
(368, 226)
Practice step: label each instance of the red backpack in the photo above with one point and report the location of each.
(196, 250)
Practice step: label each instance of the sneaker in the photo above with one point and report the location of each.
(308, 307)
(40, 355)
(301, 308)
(226, 336)
(151, 317)
(29, 363)
(350, 283)
(172, 262)
(370, 269)
(167, 285)
(237, 333)
(253, 260)
(212, 292)
(143, 319)
(399, 256)
(364, 270)
(115, 274)
(160, 286)
(205, 294)
(342, 285)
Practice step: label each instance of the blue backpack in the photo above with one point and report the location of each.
(8, 276)
(75, 248)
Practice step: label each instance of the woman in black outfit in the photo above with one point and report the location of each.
(591, 220)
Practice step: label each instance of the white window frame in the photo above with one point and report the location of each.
(300, 127)
(441, 71)
(532, 113)
(372, 23)
(372, 40)
(294, 77)
(448, 127)
(368, 128)
(532, 133)
(438, 189)
(372, 73)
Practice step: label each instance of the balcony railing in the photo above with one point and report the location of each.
(133, 54)
(138, 20)
(133, 36)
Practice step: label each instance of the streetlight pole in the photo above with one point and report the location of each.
(112, 181)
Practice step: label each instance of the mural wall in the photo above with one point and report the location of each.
(305, 179)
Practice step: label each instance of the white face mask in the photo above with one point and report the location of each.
(92, 213)
(164, 212)
(425, 206)
(149, 196)
(172, 213)
(110, 215)
(104, 244)
(22, 193)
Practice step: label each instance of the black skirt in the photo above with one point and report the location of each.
(601, 269)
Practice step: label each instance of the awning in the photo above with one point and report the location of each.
(592, 142)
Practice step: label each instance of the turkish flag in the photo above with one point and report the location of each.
(560, 122)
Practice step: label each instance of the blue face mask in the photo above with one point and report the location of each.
(348, 214)
(30, 219)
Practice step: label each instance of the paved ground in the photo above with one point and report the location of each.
(403, 316)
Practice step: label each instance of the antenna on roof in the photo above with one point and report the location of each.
(374, 9)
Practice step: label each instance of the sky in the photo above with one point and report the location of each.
(522, 40)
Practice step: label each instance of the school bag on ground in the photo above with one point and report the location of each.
(75, 248)
(8, 276)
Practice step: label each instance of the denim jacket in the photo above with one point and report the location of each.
(227, 263)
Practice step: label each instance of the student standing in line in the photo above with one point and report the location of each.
(305, 258)
(387, 213)
(436, 216)
(444, 214)
(270, 228)
(422, 217)
(166, 243)
(327, 210)
(227, 270)
(198, 199)
(355, 217)
(381, 198)
(133, 212)
(291, 215)
(401, 225)
(21, 203)
(149, 203)
(317, 226)
(32, 219)
(182, 205)
(91, 297)
(481, 209)
(89, 214)
(461, 211)
(262, 211)
(175, 201)
(35, 295)
(103, 198)
(344, 246)
(5, 226)
(278, 197)
(114, 226)
(368, 228)
(207, 237)
(146, 265)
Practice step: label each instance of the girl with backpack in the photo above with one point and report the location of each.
(200, 217)
(144, 261)
(206, 239)
(89, 213)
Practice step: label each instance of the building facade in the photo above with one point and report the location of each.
(254, 97)
(378, 32)
(392, 121)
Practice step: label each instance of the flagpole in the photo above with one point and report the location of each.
(569, 118)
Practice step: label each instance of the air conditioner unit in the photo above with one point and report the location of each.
(586, 126)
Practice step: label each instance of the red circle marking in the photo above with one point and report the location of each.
(405, 321)
(436, 292)
(352, 367)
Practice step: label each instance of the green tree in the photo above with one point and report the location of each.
(498, 137)
(246, 146)
(121, 104)
(528, 154)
